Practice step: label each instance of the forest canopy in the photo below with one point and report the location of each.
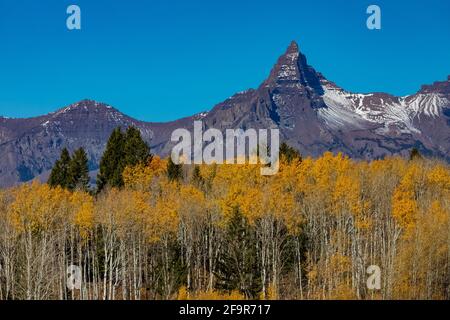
(225, 231)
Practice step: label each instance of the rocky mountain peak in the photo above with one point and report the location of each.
(293, 48)
(287, 68)
(86, 105)
(313, 114)
(292, 71)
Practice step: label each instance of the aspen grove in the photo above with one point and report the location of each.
(226, 232)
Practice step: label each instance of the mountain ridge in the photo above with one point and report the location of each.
(313, 114)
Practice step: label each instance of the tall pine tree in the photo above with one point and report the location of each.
(415, 154)
(112, 162)
(71, 172)
(122, 150)
(237, 267)
(174, 171)
(136, 150)
(60, 174)
(197, 178)
(79, 171)
(288, 153)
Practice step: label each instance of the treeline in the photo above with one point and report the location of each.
(225, 231)
(71, 172)
(123, 149)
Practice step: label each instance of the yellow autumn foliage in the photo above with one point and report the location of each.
(310, 232)
(183, 294)
(83, 206)
(38, 207)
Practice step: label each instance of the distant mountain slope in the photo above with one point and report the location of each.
(312, 113)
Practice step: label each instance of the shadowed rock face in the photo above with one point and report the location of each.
(313, 114)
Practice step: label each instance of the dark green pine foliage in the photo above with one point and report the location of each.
(174, 171)
(237, 268)
(197, 178)
(122, 150)
(288, 153)
(60, 174)
(415, 154)
(136, 150)
(112, 162)
(71, 172)
(79, 171)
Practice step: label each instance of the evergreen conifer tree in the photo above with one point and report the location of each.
(60, 175)
(414, 154)
(197, 178)
(136, 150)
(79, 171)
(237, 267)
(288, 153)
(112, 162)
(174, 171)
(122, 150)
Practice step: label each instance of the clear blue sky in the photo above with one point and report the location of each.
(160, 60)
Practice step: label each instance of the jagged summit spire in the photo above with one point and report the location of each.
(293, 47)
(286, 68)
(292, 70)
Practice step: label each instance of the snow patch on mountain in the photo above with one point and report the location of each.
(345, 109)
(429, 104)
